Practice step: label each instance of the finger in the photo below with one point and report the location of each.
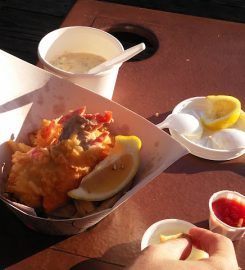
(178, 249)
(213, 243)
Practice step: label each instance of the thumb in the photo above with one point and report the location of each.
(177, 249)
(214, 244)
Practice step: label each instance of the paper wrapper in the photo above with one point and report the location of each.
(29, 94)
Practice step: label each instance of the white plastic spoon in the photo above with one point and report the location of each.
(183, 123)
(228, 139)
(126, 55)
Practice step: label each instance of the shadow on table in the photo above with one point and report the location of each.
(202, 224)
(158, 117)
(96, 264)
(126, 252)
(199, 165)
(19, 242)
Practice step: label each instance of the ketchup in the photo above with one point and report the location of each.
(230, 211)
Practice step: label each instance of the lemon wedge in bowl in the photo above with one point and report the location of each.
(222, 112)
(113, 173)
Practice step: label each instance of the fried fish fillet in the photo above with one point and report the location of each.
(65, 150)
(43, 176)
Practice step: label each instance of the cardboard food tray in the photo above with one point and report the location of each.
(29, 94)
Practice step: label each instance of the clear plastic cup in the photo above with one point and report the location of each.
(82, 39)
(217, 225)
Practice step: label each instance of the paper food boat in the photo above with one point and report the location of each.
(29, 94)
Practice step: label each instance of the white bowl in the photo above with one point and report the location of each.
(170, 227)
(195, 106)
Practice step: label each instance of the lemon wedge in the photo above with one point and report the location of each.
(113, 173)
(222, 112)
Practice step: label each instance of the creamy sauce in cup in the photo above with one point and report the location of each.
(78, 62)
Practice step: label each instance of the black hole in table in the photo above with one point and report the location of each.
(130, 35)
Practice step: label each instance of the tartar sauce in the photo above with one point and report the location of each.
(78, 62)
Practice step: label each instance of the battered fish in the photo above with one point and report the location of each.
(41, 176)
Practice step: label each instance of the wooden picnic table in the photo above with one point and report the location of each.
(193, 57)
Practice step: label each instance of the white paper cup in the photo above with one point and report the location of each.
(77, 39)
(170, 227)
(218, 226)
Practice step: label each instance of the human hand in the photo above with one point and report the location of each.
(171, 254)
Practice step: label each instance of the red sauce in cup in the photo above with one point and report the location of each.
(230, 211)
